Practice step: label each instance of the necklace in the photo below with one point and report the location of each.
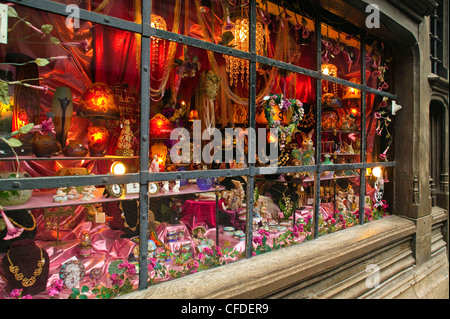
(125, 220)
(26, 282)
(25, 228)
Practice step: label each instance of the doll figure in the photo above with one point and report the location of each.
(154, 166)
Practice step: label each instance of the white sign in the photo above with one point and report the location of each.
(3, 23)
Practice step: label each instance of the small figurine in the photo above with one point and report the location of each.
(88, 193)
(154, 166)
(60, 196)
(176, 187)
(73, 193)
(165, 187)
(305, 154)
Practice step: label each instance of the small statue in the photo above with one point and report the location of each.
(73, 193)
(305, 154)
(176, 187)
(88, 193)
(165, 187)
(60, 196)
(154, 166)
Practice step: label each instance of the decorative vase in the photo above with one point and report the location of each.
(62, 108)
(14, 197)
(205, 183)
(330, 120)
(183, 182)
(97, 137)
(45, 146)
(75, 149)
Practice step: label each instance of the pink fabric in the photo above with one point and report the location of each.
(107, 245)
(197, 212)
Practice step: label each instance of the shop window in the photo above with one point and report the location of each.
(202, 149)
(438, 41)
(437, 149)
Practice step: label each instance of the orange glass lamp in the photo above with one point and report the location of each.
(160, 127)
(193, 115)
(99, 104)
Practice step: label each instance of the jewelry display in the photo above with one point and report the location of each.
(26, 282)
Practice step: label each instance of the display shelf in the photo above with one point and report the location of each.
(189, 189)
(66, 158)
(342, 154)
(44, 199)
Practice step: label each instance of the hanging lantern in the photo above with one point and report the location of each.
(239, 27)
(157, 45)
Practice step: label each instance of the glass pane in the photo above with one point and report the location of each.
(198, 120)
(340, 54)
(288, 106)
(378, 196)
(283, 211)
(380, 128)
(195, 225)
(339, 200)
(340, 124)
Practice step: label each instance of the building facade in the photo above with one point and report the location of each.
(391, 79)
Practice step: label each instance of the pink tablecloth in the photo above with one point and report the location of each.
(196, 212)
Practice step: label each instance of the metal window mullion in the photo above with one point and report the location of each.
(318, 125)
(144, 143)
(362, 172)
(251, 144)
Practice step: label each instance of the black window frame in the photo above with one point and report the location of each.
(144, 177)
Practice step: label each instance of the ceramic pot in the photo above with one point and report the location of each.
(45, 146)
(75, 149)
(97, 137)
(15, 197)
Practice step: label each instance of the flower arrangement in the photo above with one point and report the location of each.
(287, 207)
(383, 121)
(187, 67)
(212, 83)
(289, 107)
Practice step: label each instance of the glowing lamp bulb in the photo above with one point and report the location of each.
(376, 171)
(118, 168)
(326, 71)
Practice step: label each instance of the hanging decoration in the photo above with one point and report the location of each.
(238, 26)
(157, 45)
(291, 111)
(211, 83)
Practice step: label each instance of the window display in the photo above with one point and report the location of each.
(222, 156)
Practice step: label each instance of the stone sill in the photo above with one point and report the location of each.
(268, 273)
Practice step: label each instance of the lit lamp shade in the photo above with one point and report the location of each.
(193, 115)
(98, 103)
(352, 93)
(97, 138)
(98, 100)
(160, 127)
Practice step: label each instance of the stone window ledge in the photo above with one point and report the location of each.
(265, 274)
